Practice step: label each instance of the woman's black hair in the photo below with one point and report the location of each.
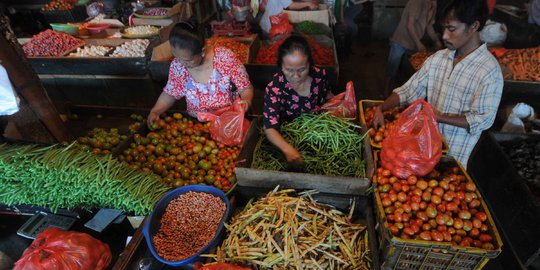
(467, 11)
(291, 44)
(184, 36)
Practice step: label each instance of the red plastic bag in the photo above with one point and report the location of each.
(280, 25)
(56, 249)
(228, 125)
(343, 104)
(413, 145)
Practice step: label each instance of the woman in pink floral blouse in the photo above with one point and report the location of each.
(209, 78)
(298, 87)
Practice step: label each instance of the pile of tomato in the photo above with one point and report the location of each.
(390, 116)
(181, 152)
(100, 141)
(443, 207)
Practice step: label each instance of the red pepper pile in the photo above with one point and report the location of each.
(241, 50)
(50, 43)
(321, 55)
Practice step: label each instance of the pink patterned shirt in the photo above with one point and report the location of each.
(228, 74)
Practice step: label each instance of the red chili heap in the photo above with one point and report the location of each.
(51, 43)
(189, 224)
(321, 55)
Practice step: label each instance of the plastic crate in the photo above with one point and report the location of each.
(398, 253)
(366, 103)
(151, 227)
(230, 29)
(76, 14)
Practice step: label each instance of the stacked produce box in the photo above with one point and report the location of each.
(522, 64)
(432, 222)
(52, 52)
(506, 165)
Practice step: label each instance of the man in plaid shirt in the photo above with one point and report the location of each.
(463, 82)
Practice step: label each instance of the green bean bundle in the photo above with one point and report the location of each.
(329, 145)
(56, 177)
(309, 27)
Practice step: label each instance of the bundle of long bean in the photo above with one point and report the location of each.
(58, 177)
(329, 145)
(284, 232)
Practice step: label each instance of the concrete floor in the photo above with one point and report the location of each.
(365, 65)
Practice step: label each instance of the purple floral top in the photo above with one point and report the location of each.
(282, 103)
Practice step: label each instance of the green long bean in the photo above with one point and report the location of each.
(329, 146)
(57, 177)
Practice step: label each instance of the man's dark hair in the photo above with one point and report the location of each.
(184, 36)
(467, 11)
(291, 44)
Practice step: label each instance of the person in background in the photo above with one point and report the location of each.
(534, 12)
(350, 9)
(8, 101)
(417, 18)
(209, 78)
(298, 87)
(463, 82)
(274, 7)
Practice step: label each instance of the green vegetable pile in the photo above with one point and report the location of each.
(330, 146)
(309, 27)
(56, 177)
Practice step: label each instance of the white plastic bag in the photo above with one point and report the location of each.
(514, 124)
(494, 33)
(8, 100)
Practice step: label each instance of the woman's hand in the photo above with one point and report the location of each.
(164, 102)
(294, 157)
(152, 119)
(291, 154)
(244, 104)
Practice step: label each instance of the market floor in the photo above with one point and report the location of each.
(365, 66)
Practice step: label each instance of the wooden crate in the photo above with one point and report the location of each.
(131, 66)
(251, 177)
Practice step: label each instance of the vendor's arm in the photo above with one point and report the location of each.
(246, 96)
(291, 154)
(301, 5)
(484, 105)
(164, 102)
(171, 92)
(411, 27)
(415, 88)
(273, 107)
(454, 120)
(237, 72)
(433, 35)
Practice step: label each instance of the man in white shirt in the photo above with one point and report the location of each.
(463, 83)
(274, 7)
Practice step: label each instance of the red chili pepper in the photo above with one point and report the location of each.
(50, 43)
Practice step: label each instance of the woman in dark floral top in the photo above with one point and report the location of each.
(298, 87)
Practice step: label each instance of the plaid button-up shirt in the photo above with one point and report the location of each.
(472, 88)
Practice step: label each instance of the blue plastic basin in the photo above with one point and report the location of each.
(151, 227)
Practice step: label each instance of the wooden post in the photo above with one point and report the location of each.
(41, 122)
